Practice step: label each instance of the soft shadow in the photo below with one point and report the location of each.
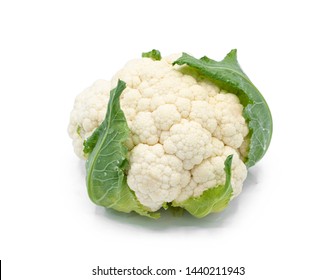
(252, 179)
(81, 167)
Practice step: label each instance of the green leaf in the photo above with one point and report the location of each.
(107, 162)
(212, 200)
(229, 76)
(90, 142)
(153, 54)
(79, 130)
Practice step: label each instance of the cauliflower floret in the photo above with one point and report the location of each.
(144, 127)
(211, 173)
(244, 148)
(203, 113)
(165, 116)
(130, 98)
(159, 100)
(184, 106)
(189, 142)
(155, 177)
(187, 191)
(199, 93)
(217, 147)
(232, 127)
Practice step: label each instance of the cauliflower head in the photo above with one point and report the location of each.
(163, 133)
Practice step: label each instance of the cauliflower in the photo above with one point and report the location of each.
(170, 132)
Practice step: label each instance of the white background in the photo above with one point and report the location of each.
(280, 227)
